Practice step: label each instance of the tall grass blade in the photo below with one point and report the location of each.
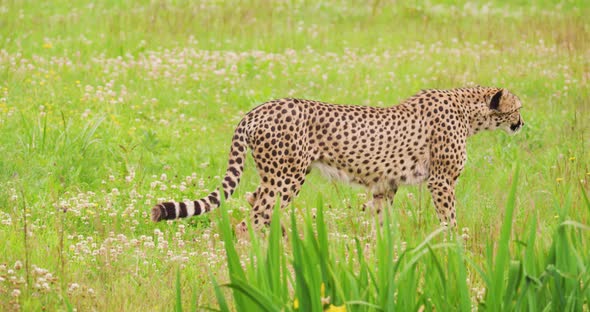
(236, 272)
(585, 197)
(302, 291)
(261, 300)
(496, 290)
(221, 301)
(178, 302)
(515, 272)
(69, 306)
(273, 255)
(462, 287)
(531, 269)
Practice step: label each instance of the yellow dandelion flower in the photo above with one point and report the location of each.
(559, 180)
(333, 308)
(295, 304)
(572, 158)
(47, 45)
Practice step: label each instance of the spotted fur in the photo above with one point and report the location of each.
(423, 139)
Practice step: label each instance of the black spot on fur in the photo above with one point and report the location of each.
(213, 200)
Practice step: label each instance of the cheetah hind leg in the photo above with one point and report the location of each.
(264, 199)
(251, 198)
(379, 203)
(241, 229)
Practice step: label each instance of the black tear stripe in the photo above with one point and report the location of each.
(170, 210)
(183, 213)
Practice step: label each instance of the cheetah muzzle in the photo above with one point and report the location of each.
(423, 139)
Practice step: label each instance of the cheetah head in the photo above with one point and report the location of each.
(505, 111)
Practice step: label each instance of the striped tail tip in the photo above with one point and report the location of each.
(158, 213)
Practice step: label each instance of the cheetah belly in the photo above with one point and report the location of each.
(418, 175)
(333, 173)
(407, 177)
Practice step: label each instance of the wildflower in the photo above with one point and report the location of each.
(16, 293)
(18, 265)
(295, 304)
(465, 234)
(73, 287)
(572, 158)
(47, 45)
(559, 180)
(333, 308)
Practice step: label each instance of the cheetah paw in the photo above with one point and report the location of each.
(250, 198)
(241, 230)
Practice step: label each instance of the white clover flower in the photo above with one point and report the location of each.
(72, 287)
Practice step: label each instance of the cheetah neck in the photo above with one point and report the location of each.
(476, 111)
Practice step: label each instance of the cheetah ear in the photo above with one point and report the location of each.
(495, 102)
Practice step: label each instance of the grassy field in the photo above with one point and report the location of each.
(108, 107)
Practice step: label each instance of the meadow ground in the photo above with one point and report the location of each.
(108, 107)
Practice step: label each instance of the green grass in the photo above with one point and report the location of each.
(429, 276)
(109, 107)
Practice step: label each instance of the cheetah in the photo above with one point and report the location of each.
(423, 139)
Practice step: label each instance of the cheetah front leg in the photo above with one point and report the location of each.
(443, 196)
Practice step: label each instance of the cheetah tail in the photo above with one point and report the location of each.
(237, 156)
